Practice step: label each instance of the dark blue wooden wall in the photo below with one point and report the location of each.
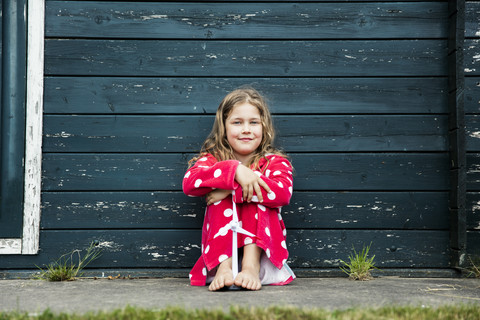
(360, 101)
(472, 120)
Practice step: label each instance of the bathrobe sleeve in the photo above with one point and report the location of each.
(208, 174)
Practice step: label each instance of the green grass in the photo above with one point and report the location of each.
(359, 266)
(66, 268)
(274, 313)
(473, 267)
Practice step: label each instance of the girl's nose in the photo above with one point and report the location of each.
(246, 128)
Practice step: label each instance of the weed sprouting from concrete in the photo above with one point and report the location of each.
(65, 268)
(359, 266)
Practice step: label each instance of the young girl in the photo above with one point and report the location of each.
(238, 165)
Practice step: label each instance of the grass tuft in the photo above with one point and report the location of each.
(65, 268)
(466, 312)
(360, 265)
(473, 267)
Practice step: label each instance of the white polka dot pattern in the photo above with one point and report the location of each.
(222, 258)
(198, 183)
(187, 174)
(276, 173)
(261, 207)
(228, 212)
(284, 244)
(248, 240)
(217, 173)
(207, 249)
(267, 231)
(271, 195)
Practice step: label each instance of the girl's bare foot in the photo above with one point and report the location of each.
(223, 277)
(249, 278)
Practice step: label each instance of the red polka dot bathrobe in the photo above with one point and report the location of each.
(263, 220)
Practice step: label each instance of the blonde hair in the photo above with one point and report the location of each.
(217, 144)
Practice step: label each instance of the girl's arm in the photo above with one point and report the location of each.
(217, 195)
(279, 179)
(208, 174)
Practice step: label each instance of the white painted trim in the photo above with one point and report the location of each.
(10, 246)
(34, 126)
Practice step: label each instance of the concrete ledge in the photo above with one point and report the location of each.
(183, 273)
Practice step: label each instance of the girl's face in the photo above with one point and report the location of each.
(244, 130)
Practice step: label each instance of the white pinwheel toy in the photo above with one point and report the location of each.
(236, 228)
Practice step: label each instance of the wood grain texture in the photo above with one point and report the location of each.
(472, 12)
(115, 95)
(473, 239)
(295, 133)
(33, 128)
(473, 210)
(246, 58)
(309, 210)
(164, 172)
(473, 171)
(181, 248)
(472, 132)
(472, 95)
(472, 57)
(246, 20)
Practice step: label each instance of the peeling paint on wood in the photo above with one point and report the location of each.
(114, 95)
(295, 133)
(247, 20)
(246, 58)
(10, 246)
(342, 171)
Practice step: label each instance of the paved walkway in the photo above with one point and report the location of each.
(328, 293)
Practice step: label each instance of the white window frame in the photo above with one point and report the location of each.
(29, 243)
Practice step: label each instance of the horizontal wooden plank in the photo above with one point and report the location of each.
(246, 20)
(472, 95)
(472, 12)
(246, 58)
(472, 57)
(113, 95)
(164, 172)
(472, 132)
(324, 210)
(153, 133)
(473, 171)
(181, 248)
(473, 243)
(473, 210)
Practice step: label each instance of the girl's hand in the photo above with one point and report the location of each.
(250, 182)
(217, 195)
